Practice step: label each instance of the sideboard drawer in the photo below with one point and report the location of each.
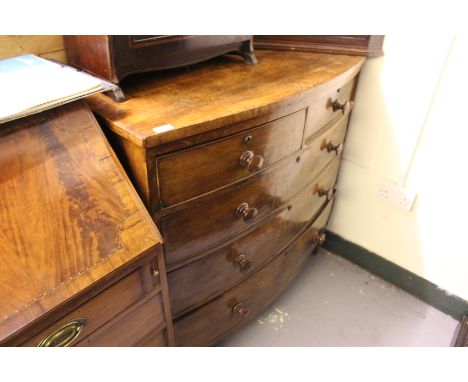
(196, 171)
(208, 323)
(95, 312)
(190, 231)
(334, 103)
(196, 282)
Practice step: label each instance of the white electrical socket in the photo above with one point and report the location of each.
(398, 196)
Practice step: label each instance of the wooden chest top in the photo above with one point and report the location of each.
(218, 93)
(68, 215)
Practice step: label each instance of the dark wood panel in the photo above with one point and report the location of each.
(136, 54)
(190, 231)
(131, 327)
(209, 323)
(101, 309)
(327, 109)
(195, 171)
(157, 339)
(196, 282)
(321, 150)
(90, 53)
(361, 45)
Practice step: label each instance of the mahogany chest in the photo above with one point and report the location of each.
(237, 165)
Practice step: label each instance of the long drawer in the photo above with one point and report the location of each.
(330, 105)
(91, 315)
(209, 323)
(132, 328)
(200, 280)
(196, 171)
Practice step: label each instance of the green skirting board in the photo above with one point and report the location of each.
(402, 278)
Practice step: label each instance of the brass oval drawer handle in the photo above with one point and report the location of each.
(319, 238)
(345, 107)
(320, 191)
(65, 335)
(330, 146)
(245, 212)
(251, 161)
(242, 262)
(240, 309)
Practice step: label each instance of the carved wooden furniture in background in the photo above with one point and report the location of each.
(115, 57)
(80, 258)
(360, 45)
(237, 165)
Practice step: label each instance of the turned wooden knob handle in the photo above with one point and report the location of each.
(319, 238)
(330, 146)
(245, 212)
(240, 309)
(324, 192)
(242, 262)
(345, 107)
(251, 161)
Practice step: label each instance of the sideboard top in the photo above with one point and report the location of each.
(69, 215)
(166, 106)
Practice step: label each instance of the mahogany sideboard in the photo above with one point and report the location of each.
(237, 165)
(80, 258)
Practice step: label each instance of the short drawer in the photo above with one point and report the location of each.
(130, 328)
(94, 313)
(200, 280)
(321, 150)
(332, 104)
(196, 171)
(190, 231)
(212, 321)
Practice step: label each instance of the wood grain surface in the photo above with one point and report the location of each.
(190, 173)
(48, 46)
(194, 283)
(219, 92)
(212, 321)
(68, 215)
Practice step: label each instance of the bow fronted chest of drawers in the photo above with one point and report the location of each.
(237, 165)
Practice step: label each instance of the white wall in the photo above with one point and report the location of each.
(409, 127)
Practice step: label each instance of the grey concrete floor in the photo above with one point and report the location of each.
(336, 303)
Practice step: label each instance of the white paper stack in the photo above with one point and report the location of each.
(30, 84)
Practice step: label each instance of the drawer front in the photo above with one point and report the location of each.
(159, 339)
(196, 171)
(196, 282)
(210, 322)
(333, 104)
(96, 312)
(188, 232)
(321, 150)
(130, 328)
